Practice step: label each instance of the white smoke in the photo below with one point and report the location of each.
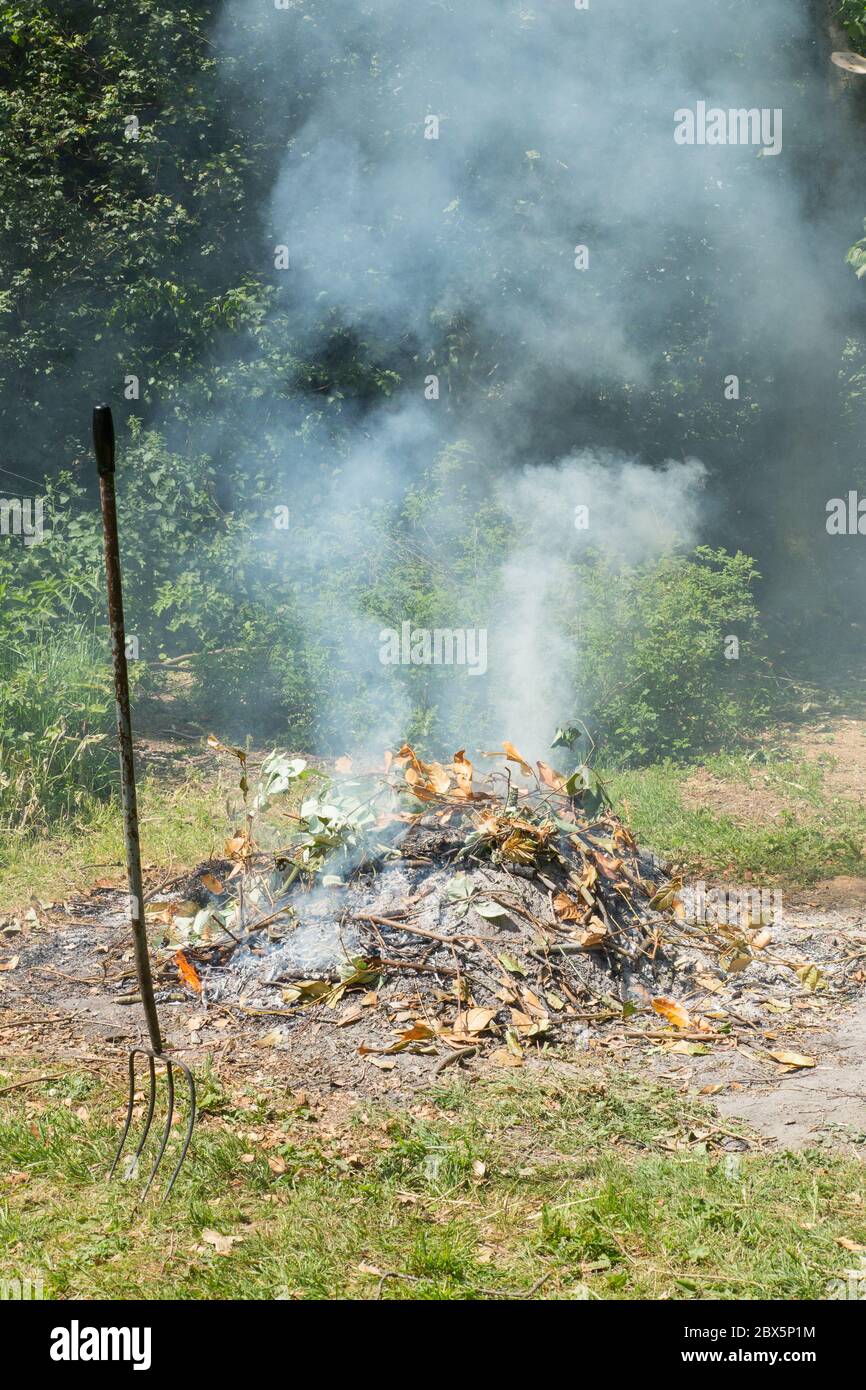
(629, 513)
(556, 129)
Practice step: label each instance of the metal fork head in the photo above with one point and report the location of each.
(170, 1063)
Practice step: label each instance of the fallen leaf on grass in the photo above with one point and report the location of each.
(222, 1244)
(14, 1179)
(504, 1057)
(851, 1245)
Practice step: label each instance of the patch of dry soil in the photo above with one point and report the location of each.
(61, 1002)
(824, 1105)
(742, 801)
(838, 746)
(840, 750)
(844, 892)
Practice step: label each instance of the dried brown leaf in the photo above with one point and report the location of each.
(672, 1011)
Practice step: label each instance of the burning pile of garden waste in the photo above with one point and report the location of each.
(430, 909)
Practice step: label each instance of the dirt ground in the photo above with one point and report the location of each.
(837, 747)
(64, 968)
(796, 1108)
(60, 1002)
(840, 750)
(754, 800)
(826, 1105)
(828, 1102)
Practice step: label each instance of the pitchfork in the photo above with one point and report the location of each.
(103, 444)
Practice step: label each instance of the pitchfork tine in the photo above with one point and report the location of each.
(190, 1081)
(103, 444)
(151, 1106)
(166, 1131)
(129, 1107)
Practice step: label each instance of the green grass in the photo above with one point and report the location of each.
(817, 838)
(180, 825)
(792, 777)
(480, 1193)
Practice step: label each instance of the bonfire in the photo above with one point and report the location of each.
(441, 911)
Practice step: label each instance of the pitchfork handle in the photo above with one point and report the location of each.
(103, 445)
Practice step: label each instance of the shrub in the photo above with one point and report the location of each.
(55, 716)
(652, 662)
(852, 17)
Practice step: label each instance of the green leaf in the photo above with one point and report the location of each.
(511, 965)
(492, 911)
(566, 737)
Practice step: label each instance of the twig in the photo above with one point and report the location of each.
(419, 931)
(31, 1081)
(453, 1057)
(248, 1009)
(33, 1022)
(418, 965)
(678, 1037)
(191, 656)
(163, 997)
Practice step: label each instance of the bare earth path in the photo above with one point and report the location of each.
(827, 1104)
